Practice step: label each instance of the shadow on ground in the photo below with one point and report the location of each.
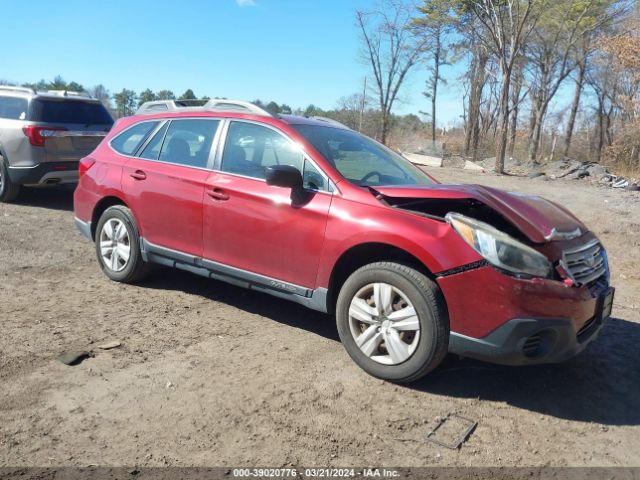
(600, 385)
(55, 198)
(258, 303)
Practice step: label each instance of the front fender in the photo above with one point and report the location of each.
(434, 243)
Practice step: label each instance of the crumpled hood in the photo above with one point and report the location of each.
(538, 219)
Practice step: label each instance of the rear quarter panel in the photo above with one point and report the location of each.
(103, 179)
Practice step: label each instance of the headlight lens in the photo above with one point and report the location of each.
(498, 248)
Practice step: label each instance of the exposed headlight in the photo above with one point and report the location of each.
(498, 248)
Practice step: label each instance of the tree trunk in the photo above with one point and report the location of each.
(478, 77)
(600, 144)
(553, 145)
(515, 100)
(504, 120)
(434, 91)
(538, 113)
(535, 139)
(385, 127)
(582, 67)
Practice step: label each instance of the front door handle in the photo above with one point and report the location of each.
(218, 194)
(138, 175)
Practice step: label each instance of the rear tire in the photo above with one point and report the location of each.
(393, 322)
(8, 190)
(118, 246)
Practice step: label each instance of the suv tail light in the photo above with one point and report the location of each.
(85, 164)
(38, 134)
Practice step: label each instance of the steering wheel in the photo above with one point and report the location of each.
(369, 175)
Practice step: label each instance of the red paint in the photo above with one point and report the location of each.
(481, 300)
(257, 229)
(247, 224)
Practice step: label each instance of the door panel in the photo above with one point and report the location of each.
(253, 226)
(167, 202)
(166, 186)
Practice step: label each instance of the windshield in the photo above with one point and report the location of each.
(70, 111)
(362, 160)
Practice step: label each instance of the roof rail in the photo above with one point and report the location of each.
(331, 121)
(17, 89)
(213, 105)
(69, 93)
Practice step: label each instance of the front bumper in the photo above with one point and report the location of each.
(516, 321)
(46, 173)
(527, 341)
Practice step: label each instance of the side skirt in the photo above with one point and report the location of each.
(314, 299)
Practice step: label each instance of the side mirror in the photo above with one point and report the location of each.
(284, 176)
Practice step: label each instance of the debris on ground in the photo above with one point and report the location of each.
(422, 159)
(567, 168)
(74, 358)
(469, 165)
(451, 431)
(110, 345)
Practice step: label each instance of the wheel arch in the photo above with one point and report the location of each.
(100, 208)
(363, 254)
(3, 154)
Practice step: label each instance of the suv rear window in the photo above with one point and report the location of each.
(13, 108)
(66, 111)
(130, 140)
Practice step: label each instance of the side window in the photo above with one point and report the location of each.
(250, 148)
(130, 140)
(152, 150)
(314, 179)
(188, 142)
(13, 108)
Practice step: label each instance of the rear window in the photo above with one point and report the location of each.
(13, 108)
(130, 140)
(65, 111)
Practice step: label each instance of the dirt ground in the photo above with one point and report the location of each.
(212, 375)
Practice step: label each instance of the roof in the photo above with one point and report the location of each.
(30, 92)
(230, 106)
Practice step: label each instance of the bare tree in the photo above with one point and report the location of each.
(507, 27)
(552, 53)
(477, 78)
(435, 22)
(518, 95)
(392, 51)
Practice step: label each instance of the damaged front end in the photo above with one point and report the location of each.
(521, 235)
(541, 292)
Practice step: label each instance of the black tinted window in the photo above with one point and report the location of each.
(188, 142)
(66, 111)
(13, 108)
(130, 140)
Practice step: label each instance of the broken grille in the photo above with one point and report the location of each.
(586, 263)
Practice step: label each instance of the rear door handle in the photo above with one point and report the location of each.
(218, 194)
(138, 175)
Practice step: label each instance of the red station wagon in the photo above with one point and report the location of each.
(311, 211)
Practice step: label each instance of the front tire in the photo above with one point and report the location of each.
(393, 322)
(8, 190)
(118, 246)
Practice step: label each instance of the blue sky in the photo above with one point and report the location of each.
(292, 51)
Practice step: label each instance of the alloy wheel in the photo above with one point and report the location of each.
(115, 246)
